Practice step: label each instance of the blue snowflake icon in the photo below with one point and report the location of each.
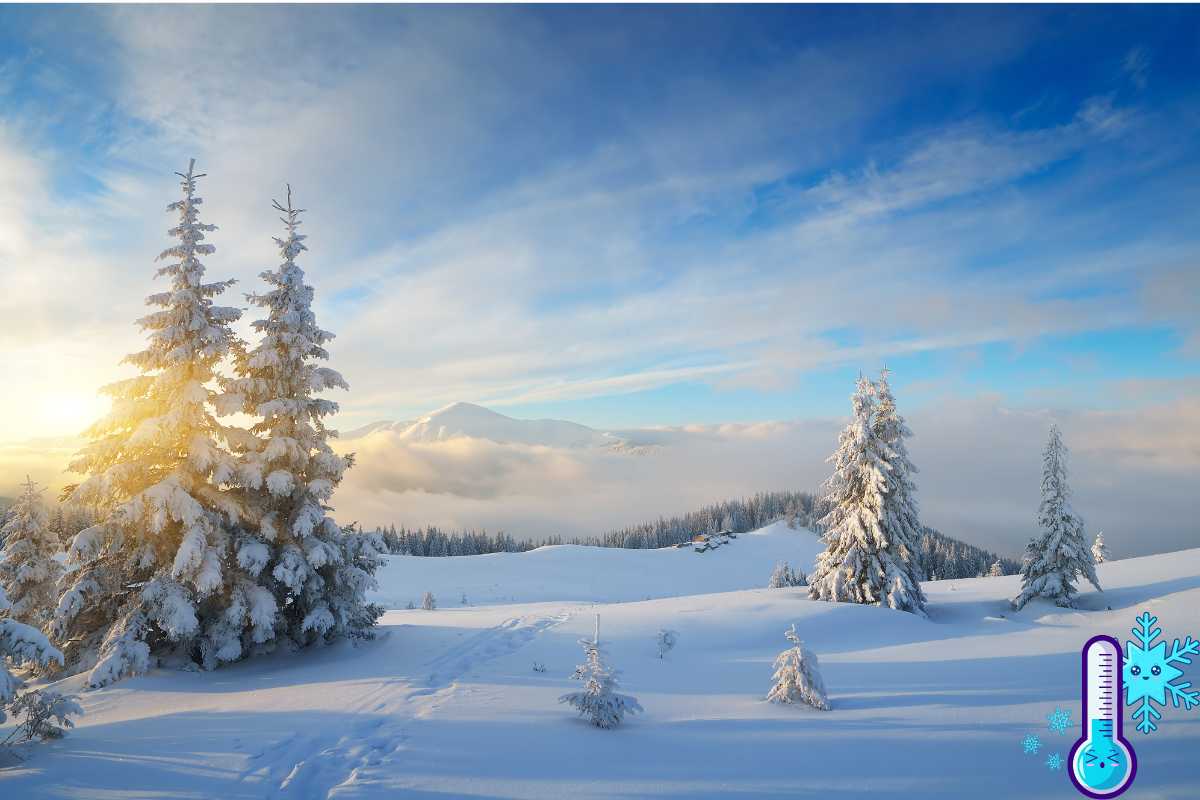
(1031, 744)
(1059, 720)
(1055, 762)
(1150, 673)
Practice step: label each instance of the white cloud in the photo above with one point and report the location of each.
(980, 475)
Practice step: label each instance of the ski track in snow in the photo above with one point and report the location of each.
(503, 639)
(305, 766)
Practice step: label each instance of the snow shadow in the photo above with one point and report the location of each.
(973, 682)
(227, 755)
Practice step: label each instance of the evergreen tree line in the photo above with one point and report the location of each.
(739, 516)
(940, 556)
(944, 558)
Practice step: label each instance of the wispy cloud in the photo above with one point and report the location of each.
(509, 207)
(1137, 66)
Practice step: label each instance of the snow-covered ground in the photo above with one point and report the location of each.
(446, 704)
(597, 574)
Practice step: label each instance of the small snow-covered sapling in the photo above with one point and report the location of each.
(599, 701)
(798, 676)
(41, 710)
(666, 641)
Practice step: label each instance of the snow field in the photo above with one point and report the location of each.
(445, 703)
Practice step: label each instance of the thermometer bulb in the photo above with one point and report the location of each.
(1102, 762)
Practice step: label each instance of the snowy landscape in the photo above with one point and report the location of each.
(446, 703)
(599, 402)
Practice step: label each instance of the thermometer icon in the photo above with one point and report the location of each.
(1102, 762)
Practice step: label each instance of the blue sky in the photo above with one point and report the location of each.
(647, 215)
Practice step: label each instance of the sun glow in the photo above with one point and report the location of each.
(68, 414)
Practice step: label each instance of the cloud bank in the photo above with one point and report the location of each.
(980, 475)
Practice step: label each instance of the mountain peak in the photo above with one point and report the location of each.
(463, 409)
(471, 421)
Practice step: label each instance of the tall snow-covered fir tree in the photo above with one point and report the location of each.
(996, 570)
(1099, 549)
(861, 563)
(157, 572)
(901, 519)
(1059, 554)
(29, 572)
(22, 645)
(797, 676)
(318, 572)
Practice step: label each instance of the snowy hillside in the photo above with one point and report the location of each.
(476, 422)
(446, 703)
(596, 574)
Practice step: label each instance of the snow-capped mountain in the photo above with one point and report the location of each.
(460, 420)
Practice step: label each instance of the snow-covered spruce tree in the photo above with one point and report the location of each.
(861, 563)
(318, 572)
(996, 570)
(23, 646)
(781, 576)
(1099, 549)
(158, 571)
(29, 572)
(798, 676)
(599, 700)
(428, 602)
(901, 520)
(1059, 555)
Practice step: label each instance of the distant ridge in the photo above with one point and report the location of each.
(467, 420)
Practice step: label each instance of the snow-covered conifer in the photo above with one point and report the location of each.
(781, 576)
(47, 715)
(798, 676)
(861, 562)
(429, 602)
(996, 570)
(317, 572)
(23, 646)
(599, 700)
(1059, 554)
(29, 572)
(666, 640)
(1099, 549)
(901, 520)
(156, 569)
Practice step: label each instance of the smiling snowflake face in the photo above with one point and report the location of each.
(1147, 673)
(1150, 673)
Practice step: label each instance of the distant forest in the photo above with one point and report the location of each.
(941, 556)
